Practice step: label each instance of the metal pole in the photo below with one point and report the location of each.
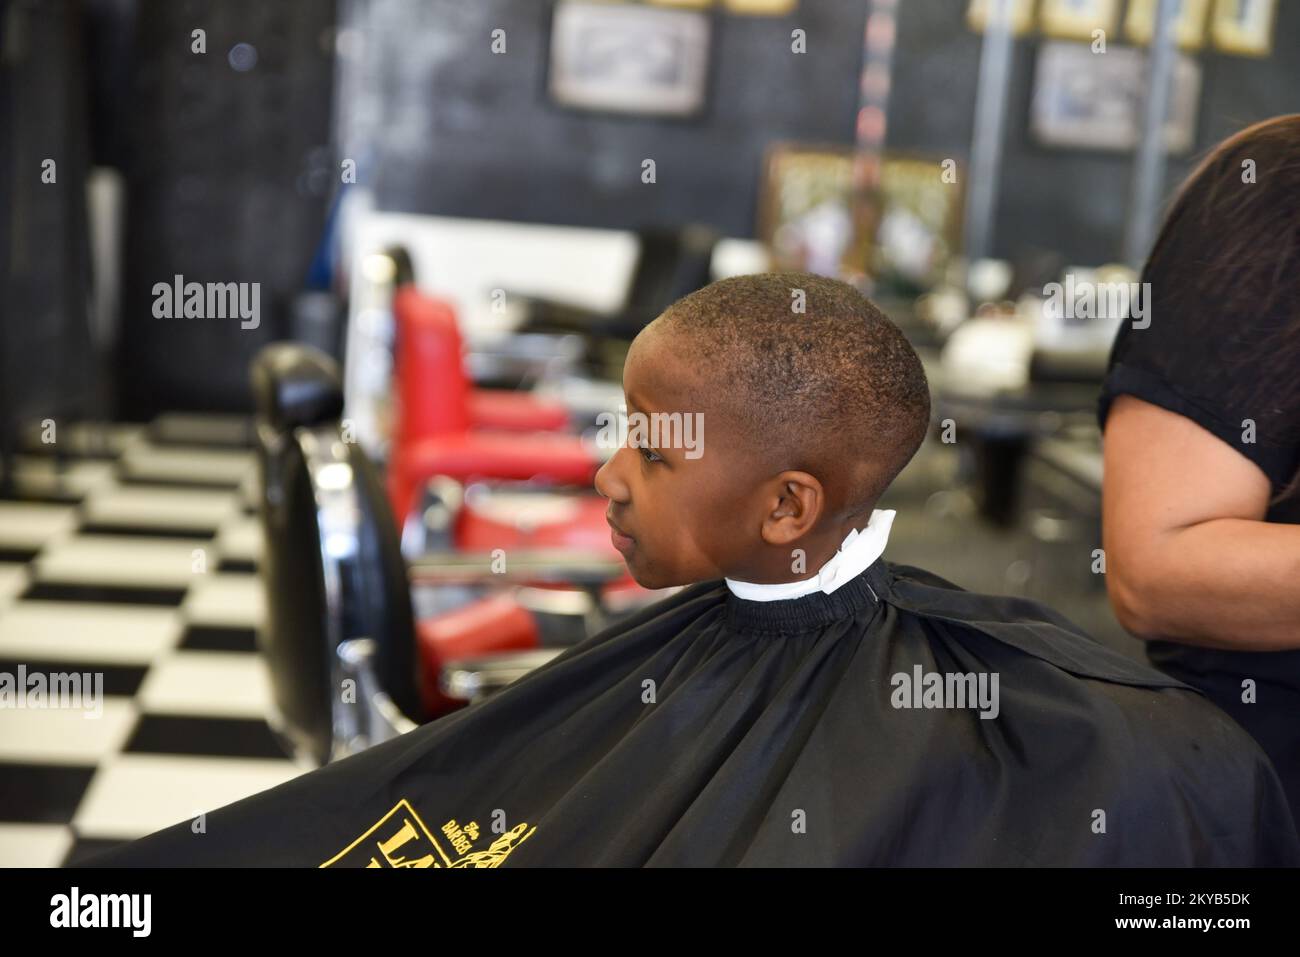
(986, 145)
(874, 82)
(1149, 165)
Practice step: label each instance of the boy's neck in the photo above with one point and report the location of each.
(797, 567)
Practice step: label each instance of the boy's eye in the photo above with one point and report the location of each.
(649, 454)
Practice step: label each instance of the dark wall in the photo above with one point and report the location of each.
(46, 352)
(1070, 201)
(479, 135)
(228, 176)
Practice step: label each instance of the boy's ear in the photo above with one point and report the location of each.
(794, 505)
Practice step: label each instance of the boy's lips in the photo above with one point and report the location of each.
(619, 538)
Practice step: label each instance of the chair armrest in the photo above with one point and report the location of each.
(471, 679)
(563, 567)
(563, 459)
(515, 411)
(566, 347)
(548, 457)
(373, 717)
(490, 626)
(550, 315)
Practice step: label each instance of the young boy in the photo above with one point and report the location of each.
(802, 702)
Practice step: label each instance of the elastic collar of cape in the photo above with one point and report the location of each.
(856, 553)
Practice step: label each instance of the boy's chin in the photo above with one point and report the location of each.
(644, 579)
(642, 576)
(655, 578)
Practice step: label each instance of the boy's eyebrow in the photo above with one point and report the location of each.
(634, 406)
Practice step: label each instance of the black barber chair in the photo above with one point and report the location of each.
(341, 639)
(671, 263)
(338, 604)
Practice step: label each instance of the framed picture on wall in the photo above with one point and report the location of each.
(805, 214)
(920, 220)
(628, 58)
(761, 8)
(1085, 101)
(1022, 15)
(1243, 27)
(1077, 19)
(1189, 25)
(683, 4)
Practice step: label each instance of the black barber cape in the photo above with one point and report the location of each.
(707, 729)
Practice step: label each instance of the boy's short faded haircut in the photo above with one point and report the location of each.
(835, 390)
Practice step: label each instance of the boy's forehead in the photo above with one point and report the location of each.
(659, 375)
(656, 377)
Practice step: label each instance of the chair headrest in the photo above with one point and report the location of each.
(296, 385)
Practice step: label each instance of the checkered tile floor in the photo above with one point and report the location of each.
(132, 554)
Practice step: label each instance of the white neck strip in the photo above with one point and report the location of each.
(857, 552)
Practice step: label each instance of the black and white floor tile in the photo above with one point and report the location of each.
(131, 552)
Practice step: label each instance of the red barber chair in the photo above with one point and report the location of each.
(441, 450)
(445, 428)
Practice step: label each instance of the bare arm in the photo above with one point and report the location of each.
(1188, 555)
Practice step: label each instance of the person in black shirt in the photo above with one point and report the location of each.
(1201, 412)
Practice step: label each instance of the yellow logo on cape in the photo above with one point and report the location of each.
(400, 839)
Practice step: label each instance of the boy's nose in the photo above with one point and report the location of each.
(608, 483)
